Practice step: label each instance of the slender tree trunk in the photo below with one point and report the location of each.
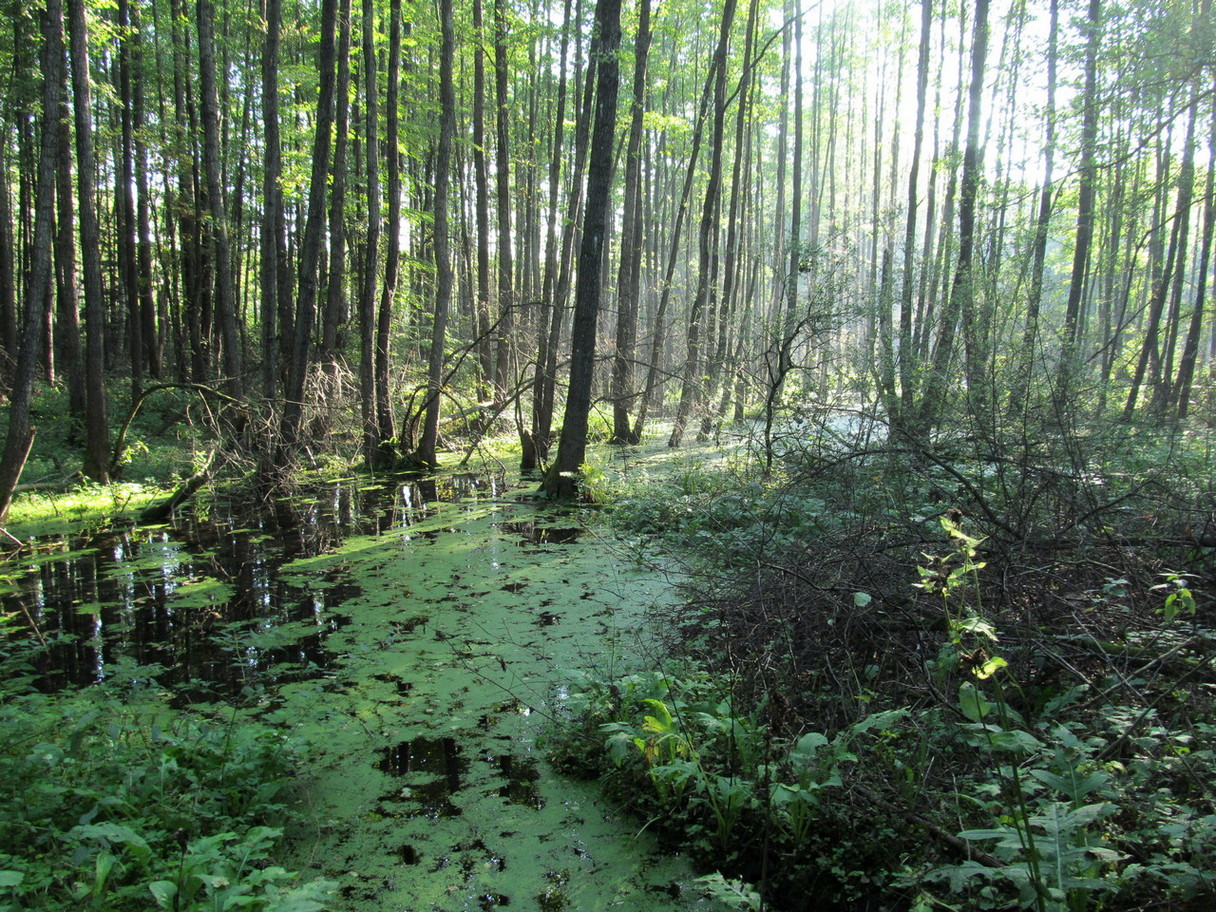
(707, 270)
(651, 387)
(426, 454)
(1190, 352)
(631, 247)
(1085, 193)
(67, 334)
(570, 234)
(373, 440)
(38, 288)
(485, 348)
(392, 249)
(225, 286)
(96, 464)
(545, 339)
(506, 262)
(127, 247)
(1034, 295)
(275, 286)
(310, 246)
(150, 330)
(337, 299)
(906, 354)
(1163, 391)
(962, 293)
(730, 266)
(561, 481)
(8, 270)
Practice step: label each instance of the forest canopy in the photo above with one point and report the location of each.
(340, 223)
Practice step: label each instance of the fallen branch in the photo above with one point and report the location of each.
(163, 510)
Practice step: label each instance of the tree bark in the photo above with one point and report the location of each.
(961, 299)
(561, 480)
(96, 464)
(310, 247)
(506, 262)
(275, 283)
(1085, 192)
(20, 432)
(691, 387)
(631, 247)
(426, 454)
(225, 286)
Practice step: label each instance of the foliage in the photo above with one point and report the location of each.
(718, 781)
(107, 804)
(1023, 609)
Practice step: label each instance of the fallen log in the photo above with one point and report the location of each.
(160, 512)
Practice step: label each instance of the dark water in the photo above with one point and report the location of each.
(201, 606)
(413, 636)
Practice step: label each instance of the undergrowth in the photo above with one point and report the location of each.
(972, 675)
(107, 802)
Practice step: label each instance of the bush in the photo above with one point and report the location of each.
(112, 805)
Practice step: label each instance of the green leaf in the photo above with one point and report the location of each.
(111, 833)
(974, 705)
(11, 878)
(862, 599)
(163, 892)
(809, 743)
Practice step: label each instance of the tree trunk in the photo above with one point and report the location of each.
(906, 352)
(561, 481)
(631, 247)
(506, 267)
(426, 454)
(691, 387)
(67, 328)
(38, 289)
(1190, 352)
(337, 301)
(485, 348)
(150, 330)
(543, 421)
(310, 246)
(96, 464)
(392, 250)
(373, 440)
(546, 342)
(961, 299)
(1087, 174)
(1030, 334)
(225, 286)
(275, 283)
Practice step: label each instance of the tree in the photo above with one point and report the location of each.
(38, 288)
(225, 282)
(425, 453)
(707, 238)
(561, 480)
(631, 246)
(96, 464)
(310, 246)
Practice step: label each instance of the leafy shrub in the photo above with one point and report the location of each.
(103, 807)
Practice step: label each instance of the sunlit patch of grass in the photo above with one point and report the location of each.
(37, 514)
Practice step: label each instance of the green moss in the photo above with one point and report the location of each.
(39, 515)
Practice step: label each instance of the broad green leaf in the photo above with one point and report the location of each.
(974, 705)
(163, 892)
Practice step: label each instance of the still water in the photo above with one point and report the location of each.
(417, 637)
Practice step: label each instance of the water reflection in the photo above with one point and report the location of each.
(201, 606)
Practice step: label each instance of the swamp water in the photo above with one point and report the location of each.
(415, 637)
